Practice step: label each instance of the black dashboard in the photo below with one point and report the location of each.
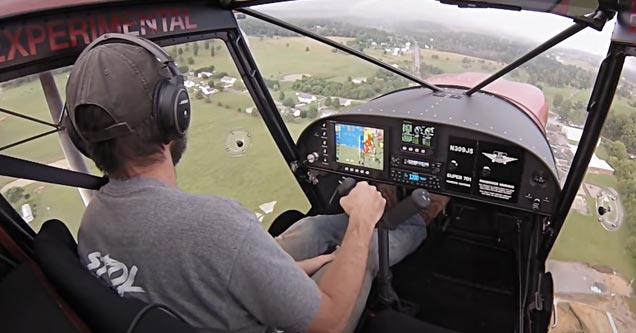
(480, 147)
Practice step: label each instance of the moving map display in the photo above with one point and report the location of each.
(360, 146)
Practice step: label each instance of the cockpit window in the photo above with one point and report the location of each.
(36, 202)
(230, 151)
(596, 249)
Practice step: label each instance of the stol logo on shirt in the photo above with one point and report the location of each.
(118, 274)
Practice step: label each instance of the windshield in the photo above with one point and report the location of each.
(430, 40)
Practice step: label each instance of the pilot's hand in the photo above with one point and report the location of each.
(364, 203)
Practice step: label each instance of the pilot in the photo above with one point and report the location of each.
(204, 256)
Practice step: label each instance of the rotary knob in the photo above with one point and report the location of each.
(485, 171)
(452, 165)
(313, 157)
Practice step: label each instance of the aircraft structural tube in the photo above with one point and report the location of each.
(73, 156)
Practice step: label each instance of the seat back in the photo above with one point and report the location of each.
(99, 306)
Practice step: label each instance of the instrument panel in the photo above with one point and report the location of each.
(442, 157)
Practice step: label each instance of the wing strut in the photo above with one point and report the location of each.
(563, 35)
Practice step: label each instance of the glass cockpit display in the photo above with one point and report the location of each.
(418, 134)
(360, 146)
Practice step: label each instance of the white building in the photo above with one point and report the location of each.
(189, 84)
(306, 98)
(345, 102)
(204, 75)
(208, 91)
(358, 80)
(596, 165)
(228, 81)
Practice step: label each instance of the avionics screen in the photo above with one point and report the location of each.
(418, 134)
(360, 146)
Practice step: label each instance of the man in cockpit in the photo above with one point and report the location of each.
(206, 257)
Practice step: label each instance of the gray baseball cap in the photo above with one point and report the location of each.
(121, 80)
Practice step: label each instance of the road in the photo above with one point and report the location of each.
(577, 278)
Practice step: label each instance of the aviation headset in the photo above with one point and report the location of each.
(170, 110)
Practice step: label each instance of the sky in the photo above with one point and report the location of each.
(525, 24)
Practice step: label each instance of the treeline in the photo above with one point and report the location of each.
(621, 127)
(382, 82)
(625, 172)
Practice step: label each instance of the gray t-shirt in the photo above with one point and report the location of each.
(205, 257)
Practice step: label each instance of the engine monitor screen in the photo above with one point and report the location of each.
(360, 146)
(418, 134)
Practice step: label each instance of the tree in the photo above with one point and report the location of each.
(328, 101)
(206, 45)
(180, 50)
(307, 49)
(211, 84)
(220, 86)
(184, 69)
(195, 49)
(212, 52)
(336, 102)
(287, 45)
(313, 112)
(558, 100)
(199, 95)
(190, 61)
(207, 99)
(289, 102)
(616, 149)
(14, 194)
(281, 96)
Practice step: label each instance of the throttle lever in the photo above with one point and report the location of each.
(418, 200)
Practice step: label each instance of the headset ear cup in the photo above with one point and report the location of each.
(172, 110)
(79, 143)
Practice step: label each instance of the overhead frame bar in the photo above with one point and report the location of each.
(322, 39)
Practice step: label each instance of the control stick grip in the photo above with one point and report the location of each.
(420, 199)
(346, 186)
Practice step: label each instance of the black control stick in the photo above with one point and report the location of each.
(417, 201)
(346, 185)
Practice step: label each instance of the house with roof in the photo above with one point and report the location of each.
(358, 80)
(228, 81)
(204, 75)
(206, 90)
(306, 98)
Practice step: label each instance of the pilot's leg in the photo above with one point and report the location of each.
(312, 236)
(402, 241)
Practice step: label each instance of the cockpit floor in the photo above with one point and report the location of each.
(460, 284)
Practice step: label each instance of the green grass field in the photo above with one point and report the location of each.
(262, 175)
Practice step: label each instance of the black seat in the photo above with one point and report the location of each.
(99, 306)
